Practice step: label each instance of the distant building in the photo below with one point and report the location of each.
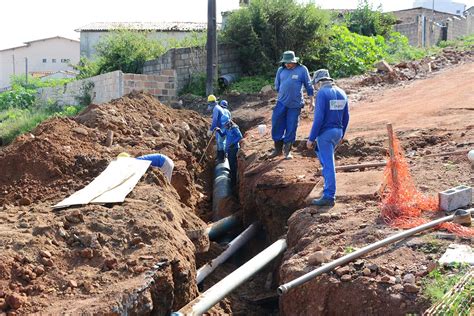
(447, 6)
(44, 56)
(92, 33)
(425, 27)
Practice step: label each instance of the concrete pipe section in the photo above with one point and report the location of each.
(222, 186)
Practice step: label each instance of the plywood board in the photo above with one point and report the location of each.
(116, 173)
(118, 194)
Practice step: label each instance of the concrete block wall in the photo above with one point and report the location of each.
(460, 27)
(410, 30)
(106, 87)
(162, 86)
(190, 61)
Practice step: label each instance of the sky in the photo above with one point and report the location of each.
(27, 20)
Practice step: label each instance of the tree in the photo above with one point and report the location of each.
(369, 22)
(264, 29)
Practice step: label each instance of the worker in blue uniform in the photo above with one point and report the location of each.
(289, 81)
(219, 110)
(233, 136)
(331, 117)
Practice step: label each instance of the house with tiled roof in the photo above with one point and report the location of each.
(41, 56)
(92, 33)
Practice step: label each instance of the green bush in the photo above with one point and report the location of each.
(350, 53)
(369, 22)
(196, 85)
(18, 97)
(264, 29)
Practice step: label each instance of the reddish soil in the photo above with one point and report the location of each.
(430, 115)
(132, 257)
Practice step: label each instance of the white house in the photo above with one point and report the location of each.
(38, 57)
(91, 33)
(448, 6)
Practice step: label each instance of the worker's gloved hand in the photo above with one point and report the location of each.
(209, 133)
(309, 144)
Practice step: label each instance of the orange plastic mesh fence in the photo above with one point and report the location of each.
(402, 204)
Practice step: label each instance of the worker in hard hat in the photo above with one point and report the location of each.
(233, 136)
(331, 117)
(290, 79)
(161, 161)
(219, 110)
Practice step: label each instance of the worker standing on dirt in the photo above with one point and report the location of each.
(231, 131)
(219, 110)
(331, 117)
(157, 160)
(289, 81)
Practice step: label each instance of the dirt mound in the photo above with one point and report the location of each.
(101, 259)
(416, 69)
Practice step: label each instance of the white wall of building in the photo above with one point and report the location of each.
(48, 55)
(89, 39)
(442, 6)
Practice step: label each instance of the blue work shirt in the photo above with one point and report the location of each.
(232, 135)
(289, 85)
(217, 116)
(157, 160)
(331, 110)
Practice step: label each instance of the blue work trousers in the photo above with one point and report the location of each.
(327, 142)
(220, 141)
(284, 123)
(232, 157)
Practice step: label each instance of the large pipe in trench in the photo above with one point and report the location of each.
(232, 247)
(206, 300)
(284, 288)
(222, 186)
(219, 228)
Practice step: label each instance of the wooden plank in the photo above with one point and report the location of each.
(117, 172)
(118, 194)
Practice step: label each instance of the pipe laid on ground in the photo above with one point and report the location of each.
(217, 229)
(222, 186)
(232, 247)
(282, 289)
(206, 300)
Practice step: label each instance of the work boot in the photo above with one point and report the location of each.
(323, 202)
(287, 151)
(278, 149)
(220, 156)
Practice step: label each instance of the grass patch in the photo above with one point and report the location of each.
(440, 281)
(16, 121)
(250, 84)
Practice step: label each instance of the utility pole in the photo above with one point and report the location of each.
(211, 47)
(26, 70)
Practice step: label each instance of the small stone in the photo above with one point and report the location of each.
(15, 300)
(396, 297)
(343, 270)
(72, 283)
(387, 279)
(2, 293)
(410, 288)
(359, 264)
(386, 270)
(24, 201)
(80, 130)
(135, 241)
(373, 267)
(87, 253)
(45, 254)
(346, 278)
(319, 257)
(39, 270)
(397, 288)
(431, 266)
(366, 272)
(110, 263)
(409, 278)
(47, 262)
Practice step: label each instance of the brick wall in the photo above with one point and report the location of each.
(161, 86)
(186, 62)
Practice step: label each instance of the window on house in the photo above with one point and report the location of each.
(44, 60)
(65, 60)
(53, 60)
(458, 11)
